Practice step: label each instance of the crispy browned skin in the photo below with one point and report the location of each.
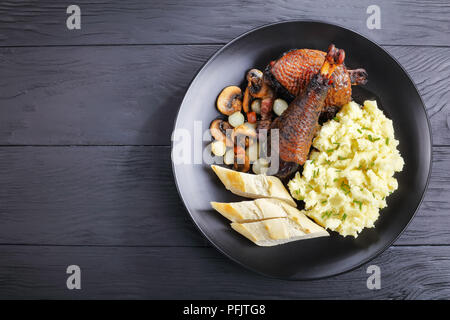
(295, 69)
(298, 124)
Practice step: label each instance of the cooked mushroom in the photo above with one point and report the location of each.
(241, 160)
(230, 100)
(246, 100)
(244, 131)
(219, 129)
(254, 85)
(255, 81)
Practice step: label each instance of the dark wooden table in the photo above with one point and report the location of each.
(85, 172)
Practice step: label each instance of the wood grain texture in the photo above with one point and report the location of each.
(203, 273)
(126, 196)
(91, 196)
(28, 22)
(114, 210)
(430, 71)
(130, 95)
(94, 95)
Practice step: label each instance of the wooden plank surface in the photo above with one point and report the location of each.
(94, 95)
(85, 123)
(126, 196)
(130, 95)
(203, 273)
(30, 22)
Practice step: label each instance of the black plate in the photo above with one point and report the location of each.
(395, 94)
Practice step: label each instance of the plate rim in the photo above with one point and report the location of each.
(362, 262)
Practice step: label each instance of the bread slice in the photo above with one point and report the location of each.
(269, 222)
(272, 232)
(254, 210)
(252, 185)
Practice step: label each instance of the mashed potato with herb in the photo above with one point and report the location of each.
(345, 183)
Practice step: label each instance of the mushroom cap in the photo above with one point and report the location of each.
(246, 132)
(241, 160)
(255, 80)
(230, 100)
(219, 128)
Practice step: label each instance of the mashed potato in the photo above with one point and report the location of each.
(345, 183)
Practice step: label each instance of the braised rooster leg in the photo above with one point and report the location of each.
(298, 124)
(291, 73)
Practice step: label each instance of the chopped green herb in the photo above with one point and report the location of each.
(360, 167)
(312, 161)
(345, 187)
(324, 201)
(372, 139)
(328, 162)
(373, 195)
(338, 170)
(358, 203)
(337, 147)
(341, 158)
(326, 214)
(316, 173)
(365, 128)
(336, 119)
(359, 131)
(326, 185)
(310, 186)
(344, 216)
(335, 179)
(297, 192)
(387, 141)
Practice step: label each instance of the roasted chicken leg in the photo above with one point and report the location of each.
(293, 71)
(298, 124)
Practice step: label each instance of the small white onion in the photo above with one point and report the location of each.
(279, 105)
(218, 148)
(260, 166)
(236, 119)
(263, 170)
(256, 168)
(250, 125)
(256, 106)
(264, 162)
(228, 158)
